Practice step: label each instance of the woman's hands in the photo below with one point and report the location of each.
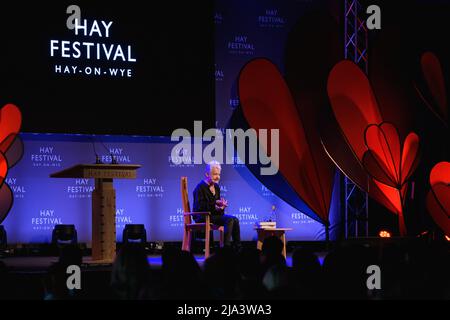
(221, 204)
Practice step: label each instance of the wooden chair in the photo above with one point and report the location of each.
(190, 225)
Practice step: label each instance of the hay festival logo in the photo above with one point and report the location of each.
(88, 58)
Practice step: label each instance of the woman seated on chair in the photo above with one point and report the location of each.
(207, 199)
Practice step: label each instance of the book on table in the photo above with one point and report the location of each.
(266, 224)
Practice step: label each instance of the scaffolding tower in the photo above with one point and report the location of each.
(356, 45)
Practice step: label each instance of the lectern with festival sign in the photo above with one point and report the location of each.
(103, 203)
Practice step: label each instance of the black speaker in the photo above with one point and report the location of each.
(64, 234)
(134, 232)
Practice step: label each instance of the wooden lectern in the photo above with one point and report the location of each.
(103, 203)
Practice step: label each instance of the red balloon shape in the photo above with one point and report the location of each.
(386, 160)
(267, 103)
(438, 199)
(10, 122)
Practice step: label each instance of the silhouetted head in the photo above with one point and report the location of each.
(221, 272)
(304, 260)
(272, 246)
(249, 263)
(169, 256)
(70, 255)
(129, 277)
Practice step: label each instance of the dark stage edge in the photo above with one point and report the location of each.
(35, 260)
(42, 264)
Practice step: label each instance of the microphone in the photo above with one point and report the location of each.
(97, 157)
(113, 158)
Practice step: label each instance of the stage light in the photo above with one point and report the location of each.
(3, 238)
(384, 234)
(447, 238)
(134, 232)
(64, 234)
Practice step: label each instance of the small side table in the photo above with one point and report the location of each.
(268, 232)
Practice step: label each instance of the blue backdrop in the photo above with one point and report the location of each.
(153, 198)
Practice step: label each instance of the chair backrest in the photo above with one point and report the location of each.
(185, 200)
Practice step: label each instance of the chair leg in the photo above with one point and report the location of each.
(283, 238)
(189, 239)
(183, 246)
(261, 236)
(222, 237)
(186, 241)
(207, 239)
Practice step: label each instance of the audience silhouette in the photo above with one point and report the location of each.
(415, 269)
